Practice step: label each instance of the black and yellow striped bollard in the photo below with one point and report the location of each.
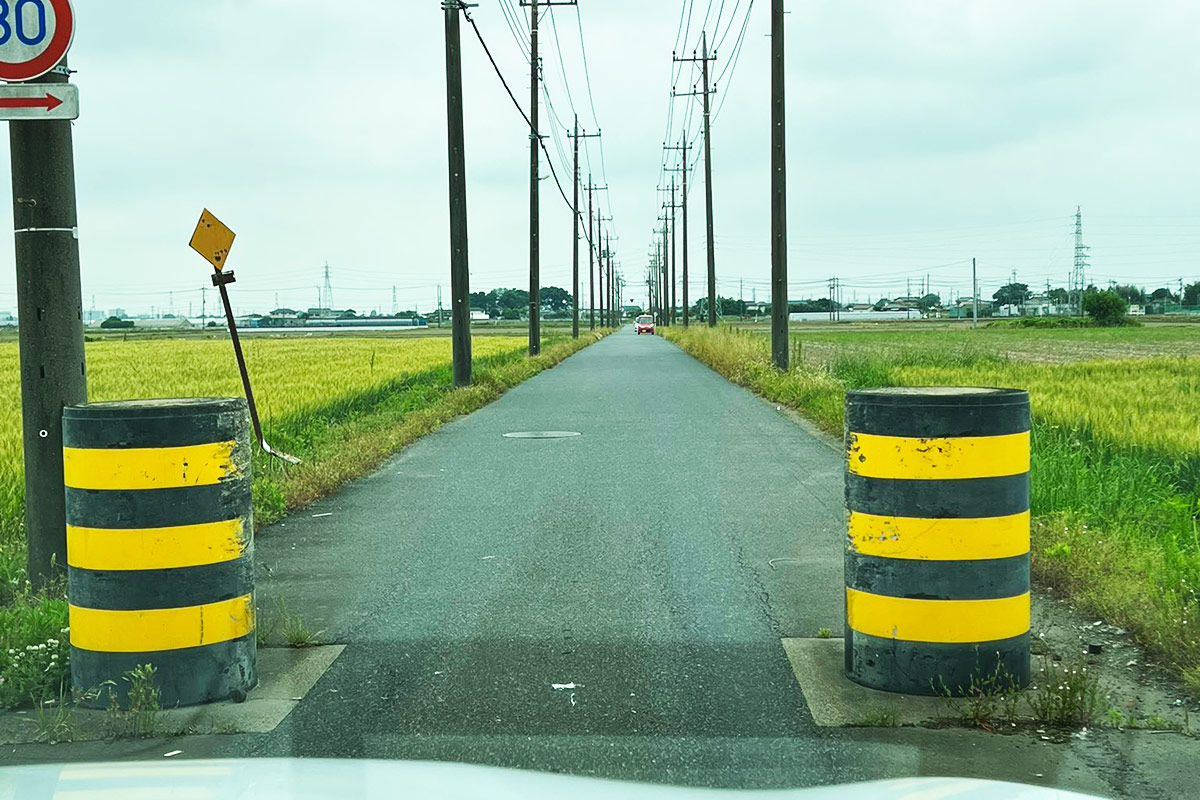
(160, 546)
(937, 546)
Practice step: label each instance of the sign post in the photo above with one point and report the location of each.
(213, 240)
(35, 36)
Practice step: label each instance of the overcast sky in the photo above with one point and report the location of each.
(920, 135)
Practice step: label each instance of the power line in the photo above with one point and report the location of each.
(500, 75)
(731, 65)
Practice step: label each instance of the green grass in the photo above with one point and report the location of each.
(342, 405)
(1116, 447)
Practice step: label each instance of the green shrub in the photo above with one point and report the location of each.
(1107, 309)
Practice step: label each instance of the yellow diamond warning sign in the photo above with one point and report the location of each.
(212, 240)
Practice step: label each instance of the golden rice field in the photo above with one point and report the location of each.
(1153, 402)
(291, 376)
(1116, 446)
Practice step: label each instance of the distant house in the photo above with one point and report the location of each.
(856, 307)
(1137, 311)
(1042, 305)
(964, 309)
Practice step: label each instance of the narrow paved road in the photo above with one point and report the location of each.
(654, 561)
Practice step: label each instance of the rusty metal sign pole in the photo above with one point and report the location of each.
(221, 280)
(213, 240)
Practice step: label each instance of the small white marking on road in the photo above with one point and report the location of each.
(172, 754)
(326, 514)
(559, 686)
(487, 558)
(572, 698)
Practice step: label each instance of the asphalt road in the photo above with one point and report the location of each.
(475, 572)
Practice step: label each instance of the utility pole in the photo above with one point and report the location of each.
(535, 278)
(593, 251)
(612, 283)
(663, 268)
(575, 260)
(708, 197)
(683, 204)
(604, 288)
(535, 142)
(601, 271)
(439, 305)
(575, 239)
(460, 275)
(50, 322)
(591, 263)
(779, 300)
(674, 254)
(974, 296)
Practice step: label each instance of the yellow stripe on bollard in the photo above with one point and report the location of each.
(153, 630)
(874, 456)
(938, 539)
(943, 621)
(148, 468)
(155, 548)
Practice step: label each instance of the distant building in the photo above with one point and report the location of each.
(860, 307)
(167, 323)
(1137, 311)
(479, 315)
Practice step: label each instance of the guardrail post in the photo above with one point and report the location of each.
(937, 545)
(160, 547)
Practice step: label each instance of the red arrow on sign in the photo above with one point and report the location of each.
(49, 102)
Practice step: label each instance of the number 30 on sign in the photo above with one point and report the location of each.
(34, 37)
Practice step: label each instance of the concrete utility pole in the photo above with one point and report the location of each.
(575, 238)
(575, 291)
(535, 278)
(460, 276)
(593, 250)
(674, 253)
(601, 256)
(612, 283)
(779, 299)
(974, 296)
(591, 262)
(50, 322)
(668, 297)
(708, 198)
(683, 204)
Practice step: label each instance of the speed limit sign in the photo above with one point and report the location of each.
(34, 37)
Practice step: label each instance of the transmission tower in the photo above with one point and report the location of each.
(327, 291)
(1079, 273)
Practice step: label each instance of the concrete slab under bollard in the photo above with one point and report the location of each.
(836, 701)
(286, 675)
